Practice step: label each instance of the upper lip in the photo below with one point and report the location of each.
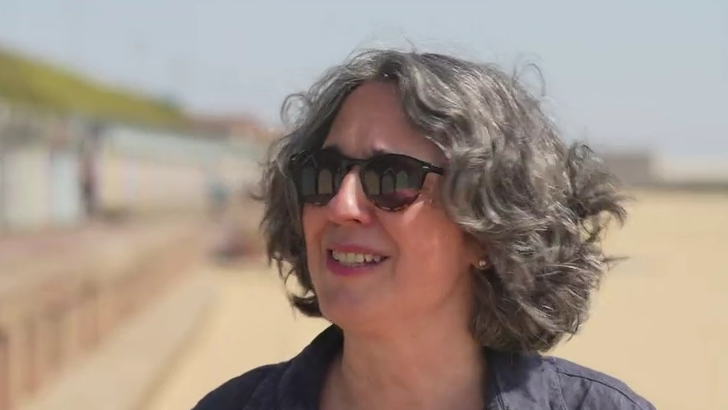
(352, 248)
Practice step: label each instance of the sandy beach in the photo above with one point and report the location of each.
(659, 321)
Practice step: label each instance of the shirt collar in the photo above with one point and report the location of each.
(515, 381)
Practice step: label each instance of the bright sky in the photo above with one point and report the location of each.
(638, 72)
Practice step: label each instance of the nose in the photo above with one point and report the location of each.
(350, 204)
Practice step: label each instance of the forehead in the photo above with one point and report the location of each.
(371, 119)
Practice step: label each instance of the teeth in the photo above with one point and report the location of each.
(350, 258)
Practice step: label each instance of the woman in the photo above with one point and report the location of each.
(431, 212)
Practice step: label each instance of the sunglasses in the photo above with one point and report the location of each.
(391, 182)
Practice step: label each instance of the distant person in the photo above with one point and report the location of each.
(218, 195)
(89, 180)
(433, 215)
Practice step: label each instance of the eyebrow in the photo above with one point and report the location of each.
(380, 151)
(372, 152)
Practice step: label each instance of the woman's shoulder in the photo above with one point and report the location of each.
(560, 383)
(583, 384)
(256, 384)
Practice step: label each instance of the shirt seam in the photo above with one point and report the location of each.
(560, 389)
(594, 380)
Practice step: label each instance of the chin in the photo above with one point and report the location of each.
(352, 316)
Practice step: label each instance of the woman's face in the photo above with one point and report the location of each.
(371, 268)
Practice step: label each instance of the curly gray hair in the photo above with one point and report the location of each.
(538, 206)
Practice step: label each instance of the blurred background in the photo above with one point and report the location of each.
(131, 274)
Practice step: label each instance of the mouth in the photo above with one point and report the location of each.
(355, 259)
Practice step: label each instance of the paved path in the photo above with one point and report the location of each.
(250, 324)
(121, 374)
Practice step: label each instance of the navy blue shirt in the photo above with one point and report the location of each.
(516, 382)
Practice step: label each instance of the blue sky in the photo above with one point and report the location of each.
(622, 73)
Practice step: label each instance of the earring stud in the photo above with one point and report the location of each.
(482, 263)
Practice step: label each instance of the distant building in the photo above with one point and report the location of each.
(633, 168)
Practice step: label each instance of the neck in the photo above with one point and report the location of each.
(432, 367)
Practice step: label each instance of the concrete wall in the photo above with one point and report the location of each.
(644, 169)
(632, 168)
(58, 311)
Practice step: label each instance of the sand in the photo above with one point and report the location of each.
(659, 322)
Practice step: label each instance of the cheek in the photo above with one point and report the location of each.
(433, 246)
(313, 220)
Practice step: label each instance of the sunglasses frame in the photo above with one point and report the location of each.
(348, 163)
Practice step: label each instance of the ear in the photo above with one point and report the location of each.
(477, 256)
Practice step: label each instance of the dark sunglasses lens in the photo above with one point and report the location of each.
(392, 182)
(319, 177)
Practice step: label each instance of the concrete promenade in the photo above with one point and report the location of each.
(65, 295)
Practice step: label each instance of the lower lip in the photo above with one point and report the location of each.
(340, 269)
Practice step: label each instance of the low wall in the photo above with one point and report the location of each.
(53, 313)
(631, 168)
(647, 171)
